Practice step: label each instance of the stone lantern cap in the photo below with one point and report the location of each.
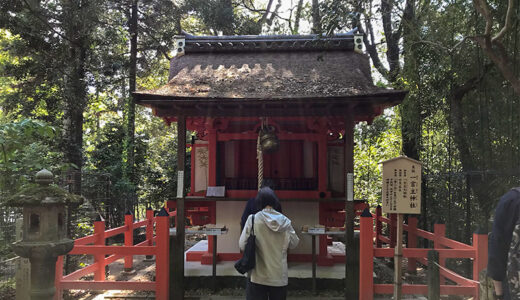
(43, 193)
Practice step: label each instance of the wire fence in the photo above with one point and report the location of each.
(8, 269)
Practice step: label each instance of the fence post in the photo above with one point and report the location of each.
(149, 229)
(58, 276)
(366, 256)
(99, 259)
(434, 285)
(379, 226)
(393, 230)
(412, 242)
(162, 262)
(480, 244)
(129, 240)
(439, 231)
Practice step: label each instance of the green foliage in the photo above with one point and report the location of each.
(22, 144)
(374, 144)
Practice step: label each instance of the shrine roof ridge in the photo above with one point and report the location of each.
(188, 43)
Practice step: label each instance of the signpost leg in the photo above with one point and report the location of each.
(214, 270)
(398, 259)
(313, 264)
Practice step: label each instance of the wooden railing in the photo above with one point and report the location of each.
(95, 245)
(446, 248)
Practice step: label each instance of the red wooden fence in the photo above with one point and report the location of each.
(95, 245)
(447, 248)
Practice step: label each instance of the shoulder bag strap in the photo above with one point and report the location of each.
(253, 225)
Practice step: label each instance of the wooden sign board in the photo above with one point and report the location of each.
(402, 186)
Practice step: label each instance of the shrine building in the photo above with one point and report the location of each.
(308, 91)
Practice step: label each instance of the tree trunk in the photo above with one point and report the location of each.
(297, 17)
(499, 56)
(75, 99)
(392, 38)
(75, 92)
(316, 18)
(129, 144)
(475, 182)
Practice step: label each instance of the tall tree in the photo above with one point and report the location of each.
(129, 111)
(316, 17)
(493, 45)
(77, 28)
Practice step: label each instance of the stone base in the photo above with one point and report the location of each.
(149, 258)
(129, 271)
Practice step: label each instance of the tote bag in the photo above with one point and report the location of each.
(247, 262)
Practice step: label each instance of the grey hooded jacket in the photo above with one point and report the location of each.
(274, 235)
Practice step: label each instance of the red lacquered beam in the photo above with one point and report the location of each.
(140, 224)
(444, 253)
(384, 239)
(115, 231)
(89, 239)
(143, 243)
(384, 252)
(453, 244)
(113, 258)
(100, 250)
(81, 272)
(109, 285)
(459, 279)
(425, 234)
(384, 220)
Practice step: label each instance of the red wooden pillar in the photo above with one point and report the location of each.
(379, 226)
(149, 226)
(366, 256)
(129, 240)
(99, 259)
(480, 243)
(412, 242)
(162, 262)
(322, 163)
(58, 294)
(393, 230)
(149, 229)
(439, 231)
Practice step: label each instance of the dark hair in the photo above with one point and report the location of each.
(268, 182)
(266, 197)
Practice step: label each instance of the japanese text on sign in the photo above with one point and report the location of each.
(402, 186)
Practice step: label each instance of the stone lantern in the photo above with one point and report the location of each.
(44, 233)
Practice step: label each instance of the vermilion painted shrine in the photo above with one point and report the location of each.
(311, 89)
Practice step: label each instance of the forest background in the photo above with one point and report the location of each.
(68, 68)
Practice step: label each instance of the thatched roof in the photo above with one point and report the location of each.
(253, 70)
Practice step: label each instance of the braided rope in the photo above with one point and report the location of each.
(260, 158)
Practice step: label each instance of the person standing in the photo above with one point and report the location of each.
(274, 235)
(504, 247)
